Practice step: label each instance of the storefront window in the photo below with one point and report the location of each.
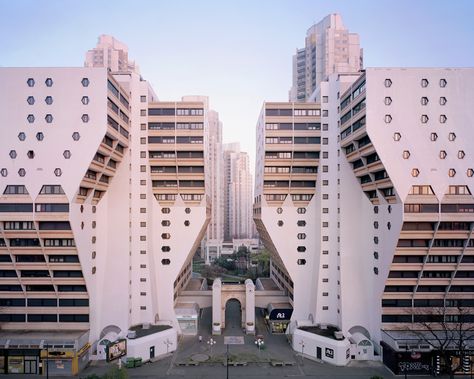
(15, 365)
(278, 327)
(188, 326)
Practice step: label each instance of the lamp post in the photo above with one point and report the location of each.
(211, 343)
(168, 343)
(302, 349)
(47, 361)
(259, 342)
(227, 362)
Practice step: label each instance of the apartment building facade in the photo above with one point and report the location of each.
(212, 244)
(285, 209)
(410, 157)
(62, 154)
(392, 217)
(99, 183)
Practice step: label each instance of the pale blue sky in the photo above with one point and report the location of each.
(236, 52)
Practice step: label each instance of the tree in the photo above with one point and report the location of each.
(213, 271)
(225, 262)
(263, 263)
(242, 251)
(449, 331)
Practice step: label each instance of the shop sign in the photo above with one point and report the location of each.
(280, 314)
(413, 366)
(329, 353)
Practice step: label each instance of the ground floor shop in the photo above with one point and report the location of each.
(43, 353)
(187, 315)
(427, 362)
(19, 361)
(277, 317)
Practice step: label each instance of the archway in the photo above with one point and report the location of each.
(107, 335)
(244, 294)
(359, 329)
(109, 329)
(233, 317)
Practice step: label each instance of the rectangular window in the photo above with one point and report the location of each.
(190, 112)
(278, 112)
(161, 111)
(13, 207)
(112, 88)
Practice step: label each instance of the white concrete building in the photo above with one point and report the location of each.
(385, 234)
(100, 181)
(329, 48)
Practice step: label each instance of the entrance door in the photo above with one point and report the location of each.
(318, 352)
(233, 318)
(30, 367)
(152, 352)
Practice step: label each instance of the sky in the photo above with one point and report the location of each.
(239, 52)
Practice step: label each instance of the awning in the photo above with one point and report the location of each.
(279, 311)
(186, 310)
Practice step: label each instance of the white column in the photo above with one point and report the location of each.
(216, 306)
(249, 307)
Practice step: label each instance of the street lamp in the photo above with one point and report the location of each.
(405, 367)
(168, 343)
(211, 343)
(259, 342)
(46, 362)
(302, 349)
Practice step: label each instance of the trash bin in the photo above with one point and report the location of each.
(138, 362)
(130, 363)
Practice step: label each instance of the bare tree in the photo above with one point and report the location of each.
(449, 331)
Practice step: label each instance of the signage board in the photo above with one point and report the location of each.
(279, 314)
(234, 340)
(115, 350)
(329, 353)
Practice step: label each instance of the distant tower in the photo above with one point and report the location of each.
(212, 244)
(329, 48)
(237, 193)
(110, 53)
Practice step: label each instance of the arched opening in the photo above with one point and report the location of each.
(359, 329)
(109, 329)
(107, 335)
(233, 317)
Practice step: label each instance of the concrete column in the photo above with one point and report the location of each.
(208, 261)
(249, 307)
(216, 307)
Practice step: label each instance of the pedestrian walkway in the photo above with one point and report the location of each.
(204, 360)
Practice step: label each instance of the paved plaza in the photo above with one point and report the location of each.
(200, 360)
